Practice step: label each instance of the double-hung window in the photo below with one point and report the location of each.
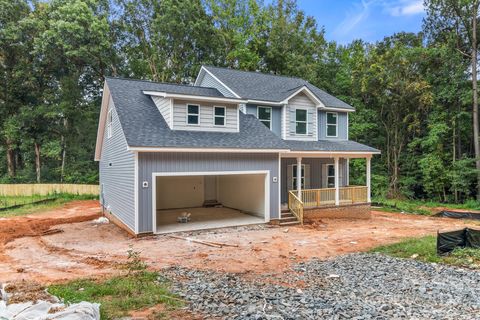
(219, 116)
(109, 124)
(294, 177)
(332, 124)
(301, 121)
(193, 114)
(264, 114)
(330, 176)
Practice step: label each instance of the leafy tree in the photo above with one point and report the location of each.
(457, 20)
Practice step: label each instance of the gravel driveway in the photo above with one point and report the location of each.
(356, 286)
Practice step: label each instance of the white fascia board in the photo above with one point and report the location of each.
(329, 154)
(199, 76)
(336, 109)
(223, 84)
(284, 153)
(218, 150)
(309, 94)
(193, 97)
(101, 121)
(264, 102)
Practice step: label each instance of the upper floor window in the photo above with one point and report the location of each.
(264, 114)
(219, 116)
(193, 114)
(332, 124)
(301, 121)
(109, 124)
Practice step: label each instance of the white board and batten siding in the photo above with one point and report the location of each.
(206, 120)
(117, 174)
(300, 101)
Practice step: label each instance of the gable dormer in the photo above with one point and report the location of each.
(300, 115)
(197, 113)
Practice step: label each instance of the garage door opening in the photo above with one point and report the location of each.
(212, 200)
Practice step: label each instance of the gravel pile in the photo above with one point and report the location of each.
(357, 286)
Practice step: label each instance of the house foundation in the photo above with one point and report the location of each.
(346, 211)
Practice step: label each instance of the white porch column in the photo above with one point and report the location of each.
(369, 159)
(299, 177)
(337, 181)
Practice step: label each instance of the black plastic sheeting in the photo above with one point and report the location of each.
(464, 238)
(458, 215)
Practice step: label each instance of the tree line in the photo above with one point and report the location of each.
(415, 93)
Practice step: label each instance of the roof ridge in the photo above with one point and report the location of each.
(156, 82)
(258, 72)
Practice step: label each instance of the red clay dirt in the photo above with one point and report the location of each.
(87, 249)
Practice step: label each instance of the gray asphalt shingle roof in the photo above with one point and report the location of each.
(329, 145)
(144, 126)
(269, 87)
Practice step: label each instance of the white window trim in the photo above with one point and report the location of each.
(192, 114)
(224, 116)
(262, 120)
(109, 123)
(294, 170)
(327, 176)
(327, 124)
(306, 122)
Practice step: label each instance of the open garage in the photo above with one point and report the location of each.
(195, 201)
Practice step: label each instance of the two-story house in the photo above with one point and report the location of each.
(236, 148)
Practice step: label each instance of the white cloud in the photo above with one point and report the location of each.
(360, 13)
(404, 7)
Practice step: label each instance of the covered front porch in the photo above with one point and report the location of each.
(313, 180)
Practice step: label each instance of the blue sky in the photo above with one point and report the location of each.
(370, 20)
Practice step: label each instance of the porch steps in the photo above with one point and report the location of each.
(288, 219)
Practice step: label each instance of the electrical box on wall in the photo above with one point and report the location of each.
(145, 184)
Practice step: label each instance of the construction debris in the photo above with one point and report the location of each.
(101, 220)
(207, 243)
(49, 309)
(184, 217)
(51, 231)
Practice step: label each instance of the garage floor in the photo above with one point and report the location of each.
(203, 218)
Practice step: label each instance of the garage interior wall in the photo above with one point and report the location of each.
(180, 192)
(243, 192)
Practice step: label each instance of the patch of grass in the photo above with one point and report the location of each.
(119, 295)
(30, 207)
(425, 249)
(421, 207)
(137, 289)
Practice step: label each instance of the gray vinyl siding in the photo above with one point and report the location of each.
(206, 117)
(301, 101)
(200, 162)
(163, 105)
(276, 117)
(117, 174)
(316, 173)
(209, 81)
(342, 127)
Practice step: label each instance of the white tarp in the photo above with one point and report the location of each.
(43, 310)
